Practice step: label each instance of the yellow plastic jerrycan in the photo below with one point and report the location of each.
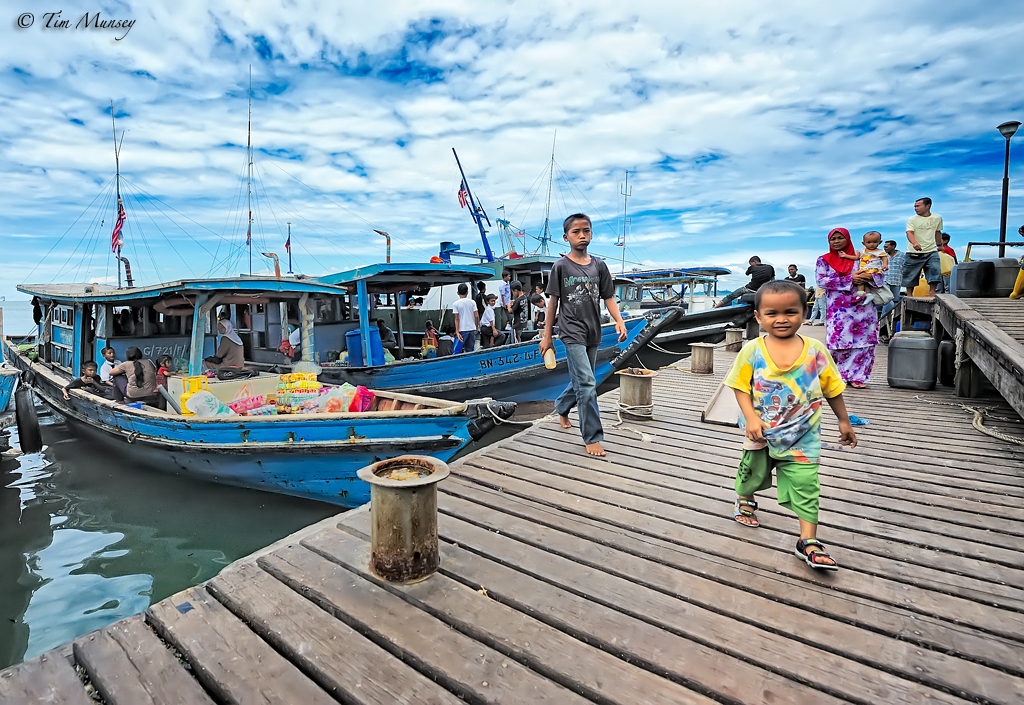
(189, 386)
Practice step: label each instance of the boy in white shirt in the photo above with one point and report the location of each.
(490, 336)
(110, 361)
(466, 319)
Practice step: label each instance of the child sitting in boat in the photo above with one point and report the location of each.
(446, 343)
(89, 381)
(110, 361)
(140, 378)
(229, 349)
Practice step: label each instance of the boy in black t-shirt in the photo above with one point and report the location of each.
(89, 381)
(576, 288)
(520, 312)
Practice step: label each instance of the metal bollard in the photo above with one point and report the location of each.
(636, 393)
(702, 358)
(733, 339)
(403, 517)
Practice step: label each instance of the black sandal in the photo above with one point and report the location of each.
(745, 508)
(810, 557)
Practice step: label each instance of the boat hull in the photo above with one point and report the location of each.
(509, 372)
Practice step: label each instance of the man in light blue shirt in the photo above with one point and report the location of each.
(894, 275)
(504, 299)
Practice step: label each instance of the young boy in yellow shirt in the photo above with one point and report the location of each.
(780, 381)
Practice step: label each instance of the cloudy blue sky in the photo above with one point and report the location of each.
(747, 127)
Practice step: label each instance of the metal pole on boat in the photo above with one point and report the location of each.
(626, 193)
(401, 331)
(474, 211)
(289, 247)
(248, 234)
(546, 233)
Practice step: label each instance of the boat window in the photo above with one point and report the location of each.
(62, 340)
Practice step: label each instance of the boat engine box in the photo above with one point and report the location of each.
(1005, 276)
(912, 360)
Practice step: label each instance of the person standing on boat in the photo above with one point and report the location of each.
(851, 329)
(467, 320)
(923, 230)
(759, 274)
(578, 284)
(230, 352)
(504, 299)
(520, 311)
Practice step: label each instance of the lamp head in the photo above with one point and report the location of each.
(1008, 128)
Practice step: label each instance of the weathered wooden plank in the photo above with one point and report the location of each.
(870, 614)
(129, 665)
(49, 679)
(583, 667)
(647, 643)
(980, 560)
(339, 659)
(740, 547)
(878, 651)
(466, 667)
(231, 662)
(933, 570)
(1003, 368)
(697, 479)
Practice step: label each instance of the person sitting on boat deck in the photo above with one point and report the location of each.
(110, 361)
(467, 320)
(164, 366)
(520, 312)
(230, 352)
(796, 278)
(490, 336)
(89, 381)
(446, 343)
(387, 337)
(140, 374)
(759, 274)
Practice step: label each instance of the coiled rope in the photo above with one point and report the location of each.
(979, 419)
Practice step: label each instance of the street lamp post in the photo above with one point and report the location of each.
(1006, 130)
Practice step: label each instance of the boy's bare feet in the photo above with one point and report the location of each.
(564, 422)
(596, 449)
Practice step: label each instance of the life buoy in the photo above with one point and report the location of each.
(29, 436)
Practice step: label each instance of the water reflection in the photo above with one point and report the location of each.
(86, 540)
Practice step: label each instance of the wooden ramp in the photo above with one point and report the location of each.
(569, 579)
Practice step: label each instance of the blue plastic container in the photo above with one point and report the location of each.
(354, 343)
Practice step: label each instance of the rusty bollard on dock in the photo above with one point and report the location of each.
(403, 516)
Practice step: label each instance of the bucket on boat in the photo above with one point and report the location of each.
(354, 341)
(403, 516)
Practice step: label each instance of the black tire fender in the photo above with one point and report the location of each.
(30, 438)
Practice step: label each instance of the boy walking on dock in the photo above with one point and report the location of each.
(780, 380)
(577, 285)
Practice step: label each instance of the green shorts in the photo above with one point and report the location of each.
(798, 487)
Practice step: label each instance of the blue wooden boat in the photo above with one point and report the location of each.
(314, 456)
(508, 372)
(8, 383)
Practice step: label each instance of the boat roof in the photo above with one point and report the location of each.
(679, 272)
(284, 288)
(392, 277)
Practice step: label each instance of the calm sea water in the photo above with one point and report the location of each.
(86, 540)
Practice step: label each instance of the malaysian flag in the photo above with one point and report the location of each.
(248, 232)
(115, 238)
(463, 195)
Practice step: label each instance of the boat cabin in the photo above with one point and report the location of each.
(375, 292)
(174, 319)
(669, 287)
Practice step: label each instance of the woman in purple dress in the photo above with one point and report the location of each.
(851, 329)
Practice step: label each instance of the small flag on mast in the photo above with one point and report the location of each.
(115, 238)
(463, 195)
(288, 244)
(248, 232)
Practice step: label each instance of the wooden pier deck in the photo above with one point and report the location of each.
(570, 579)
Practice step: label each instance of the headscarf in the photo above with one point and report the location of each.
(229, 332)
(842, 266)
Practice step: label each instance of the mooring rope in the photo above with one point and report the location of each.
(979, 419)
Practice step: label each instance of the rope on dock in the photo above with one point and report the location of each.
(980, 413)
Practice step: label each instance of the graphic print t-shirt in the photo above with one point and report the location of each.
(580, 290)
(520, 313)
(789, 401)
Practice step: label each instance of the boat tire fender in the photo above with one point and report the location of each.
(29, 435)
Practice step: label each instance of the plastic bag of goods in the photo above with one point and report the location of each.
(244, 405)
(362, 400)
(298, 393)
(204, 405)
(337, 399)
